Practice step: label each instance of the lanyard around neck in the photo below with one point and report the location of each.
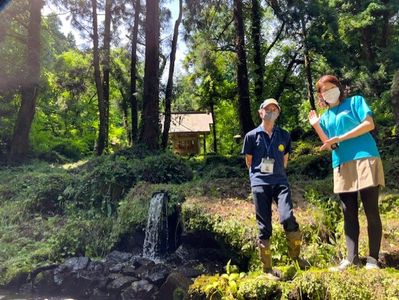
(271, 141)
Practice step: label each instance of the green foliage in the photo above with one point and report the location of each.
(220, 166)
(389, 204)
(82, 234)
(352, 284)
(358, 284)
(103, 186)
(106, 180)
(319, 194)
(391, 170)
(44, 196)
(38, 188)
(165, 168)
(224, 286)
(237, 240)
(258, 287)
(309, 165)
(225, 172)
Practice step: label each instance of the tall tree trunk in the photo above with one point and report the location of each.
(215, 144)
(395, 99)
(133, 74)
(169, 86)
(244, 107)
(149, 133)
(101, 140)
(20, 142)
(106, 67)
(307, 65)
(258, 60)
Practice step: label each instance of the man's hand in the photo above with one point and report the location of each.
(313, 118)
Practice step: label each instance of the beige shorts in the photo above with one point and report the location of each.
(358, 174)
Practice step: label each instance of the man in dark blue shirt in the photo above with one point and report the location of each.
(266, 150)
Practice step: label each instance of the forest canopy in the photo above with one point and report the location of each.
(64, 102)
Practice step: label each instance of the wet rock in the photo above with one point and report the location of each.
(18, 280)
(184, 253)
(116, 268)
(113, 276)
(156, 274)
(142, 262)
(140, 290)
(175, 287)
(189, 271)
(79, 277)
(97, 266)
(44, 282)
(116, 257)
(129, 270)
(77, 263)
(120, 283)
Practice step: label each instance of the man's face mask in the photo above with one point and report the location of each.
(270, 115)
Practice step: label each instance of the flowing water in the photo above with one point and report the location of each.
(156, 233)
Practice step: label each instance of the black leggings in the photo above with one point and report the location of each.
(350, 206)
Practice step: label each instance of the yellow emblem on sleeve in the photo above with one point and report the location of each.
(281, 147)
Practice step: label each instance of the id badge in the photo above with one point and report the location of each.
(267, 165)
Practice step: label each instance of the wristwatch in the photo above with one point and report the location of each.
(334, 146)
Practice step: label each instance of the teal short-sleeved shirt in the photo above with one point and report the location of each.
(342, 118)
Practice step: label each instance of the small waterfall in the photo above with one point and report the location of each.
(156, 233)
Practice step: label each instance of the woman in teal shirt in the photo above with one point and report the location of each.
(345, 129)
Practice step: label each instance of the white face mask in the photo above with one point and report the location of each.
(270, 116)
(332, 95)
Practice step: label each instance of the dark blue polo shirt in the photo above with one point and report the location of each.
(256, 143)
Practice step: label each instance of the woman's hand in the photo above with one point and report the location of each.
(329, 144)
(313, 118)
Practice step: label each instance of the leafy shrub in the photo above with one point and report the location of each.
(225, 165)
(45, 196)
(69, 150)
(220, 171)
(106, 180)
(319, 193)
(311, 165)
(352, 284)
(104, 185)
(258, 288)
(38, 188)
(82, 235)
(391, 169)
(165, 168)
(389, 203)
(318, 285)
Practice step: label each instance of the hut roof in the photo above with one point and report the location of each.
(186, 122)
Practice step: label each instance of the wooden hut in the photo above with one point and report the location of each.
(187, 129)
